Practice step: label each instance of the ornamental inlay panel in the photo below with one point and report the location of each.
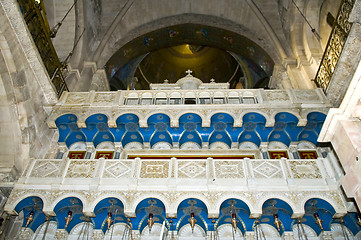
(154, 169)
(229, 169)
(266, 169)
(304, 169)
(81, 169)
(46, 169)
(192, 169)
(117, 169)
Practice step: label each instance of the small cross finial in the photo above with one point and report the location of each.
(189, 72)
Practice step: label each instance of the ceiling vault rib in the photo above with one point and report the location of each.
(268, 28)
(111, 29)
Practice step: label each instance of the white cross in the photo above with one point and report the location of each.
(189, 72)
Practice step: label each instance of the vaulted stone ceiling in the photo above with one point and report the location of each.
(208, 51)
(276, 26)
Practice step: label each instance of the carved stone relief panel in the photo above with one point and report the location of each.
(81, 169)
(304, 169)
(229, 169)
(266, 169)
(305, 96)
(192, 169)
(154, 169)
(46, 169)
(276, 95)
(117, 169)
(104, 98)
(76, 98)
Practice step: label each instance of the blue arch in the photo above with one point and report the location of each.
(250, 136)
(192, 136)
(161, 137)
(222, 117)
(32, 205)
(323, 209)
(132, 137)
(282, 209)
(220, 136)
(280, 136)
(196, 206)
(190, 117)
(62, 209)
(65, 124)
(313, 127)
(103, 137)
(144, 208)
(238, 207)
(105, 206)
(158, 117)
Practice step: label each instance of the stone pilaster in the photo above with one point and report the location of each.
(61, 234)
(250, 235)
(288, 236)
(135, 235)
(327, 235)
(97, 234)
(99, 81)
(25, 234)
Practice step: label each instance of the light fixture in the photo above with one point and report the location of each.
(318, 220)
(344, 229)
(192, 221)
(171, 222)
(68, 219)
(258, 230)
(109, 219)
(234, 221)
(358, 219)
(301, 230)
(130, 227)
(313, 30)
(277, 222)
(55, 29)
(150, 221)
(214, 232)
(29, 219)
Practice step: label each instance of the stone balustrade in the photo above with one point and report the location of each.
(177, 102)
(172, 179)
(163, 173)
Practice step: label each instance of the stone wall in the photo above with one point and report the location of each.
(64, 40)
(25, 91)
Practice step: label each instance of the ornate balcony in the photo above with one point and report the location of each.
(202, 102)
(170, 178)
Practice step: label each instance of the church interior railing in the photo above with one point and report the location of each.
(122, 172)
(34, 16)
(340, 30)
(191, 97)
